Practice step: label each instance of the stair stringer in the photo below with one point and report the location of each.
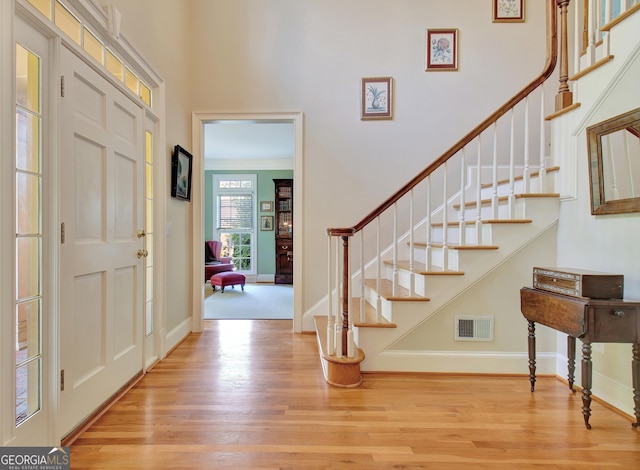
(379, 344)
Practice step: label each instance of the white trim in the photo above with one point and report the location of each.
(251, 165)
(7, 142)
(479, 362)
(198, 120)
(180, 332)
(254, 231)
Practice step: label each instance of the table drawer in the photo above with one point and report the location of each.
(615, 325)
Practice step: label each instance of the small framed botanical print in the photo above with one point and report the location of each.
(442, 49)
(508, 11)
(376, 98)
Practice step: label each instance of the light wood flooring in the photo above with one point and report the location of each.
(250, 395)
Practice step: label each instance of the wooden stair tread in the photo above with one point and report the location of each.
(401, 294)
(520, 177)
(486, 221)
(370, 320)
(487, 201)
(421, 268)
(459, 247)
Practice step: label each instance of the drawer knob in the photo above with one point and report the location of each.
(618, 313)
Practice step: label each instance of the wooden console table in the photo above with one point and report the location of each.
(591, 320)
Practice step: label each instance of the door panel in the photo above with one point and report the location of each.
(101, 205)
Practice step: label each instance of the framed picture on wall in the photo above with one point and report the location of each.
(508, 11)
(266, 222)
(377, 98)
(181, 169)
(442, 49)
(266, 206)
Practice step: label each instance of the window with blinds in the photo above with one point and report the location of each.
(235, 218)
(235, 212)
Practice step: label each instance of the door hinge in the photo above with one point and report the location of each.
(62, 86)
(62, 234)
(62, 380)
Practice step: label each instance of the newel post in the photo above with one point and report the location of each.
(564, 97)
(345, 293)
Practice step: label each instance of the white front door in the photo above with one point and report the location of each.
(101, 212)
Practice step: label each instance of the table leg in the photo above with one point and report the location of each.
(635, 364)
(586, 383)
(532, 354)
(571, 353)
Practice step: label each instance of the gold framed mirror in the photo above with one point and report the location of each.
(614, 164)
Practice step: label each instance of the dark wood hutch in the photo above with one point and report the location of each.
(284, 231)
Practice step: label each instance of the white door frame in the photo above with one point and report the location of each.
(198, 120)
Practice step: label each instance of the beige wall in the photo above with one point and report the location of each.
(309, 56)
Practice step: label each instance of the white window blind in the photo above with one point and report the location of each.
(235, 212)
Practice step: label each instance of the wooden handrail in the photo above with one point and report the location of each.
(551, 59)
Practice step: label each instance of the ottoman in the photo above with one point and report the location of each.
(227, 278)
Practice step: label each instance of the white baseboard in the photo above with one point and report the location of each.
(268, 278)
(176, 335)
(459, 362)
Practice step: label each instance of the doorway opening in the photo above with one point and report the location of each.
(234, 148)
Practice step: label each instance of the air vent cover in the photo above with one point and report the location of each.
(473, 328)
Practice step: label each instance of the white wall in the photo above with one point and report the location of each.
(310, 55)
(605, 243)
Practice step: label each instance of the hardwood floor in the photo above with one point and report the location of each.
(250, 395)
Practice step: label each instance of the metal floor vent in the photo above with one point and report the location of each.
(473, 328)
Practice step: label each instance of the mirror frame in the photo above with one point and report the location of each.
(599, 205)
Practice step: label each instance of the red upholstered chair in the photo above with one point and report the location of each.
(213, 262)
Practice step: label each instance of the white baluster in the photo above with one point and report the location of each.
(330, 322)
(428, 249)
(527, 166)
(462, 239)
(629, 155)
(494, 182)
(479, 194)
(615, 191)
(378, 273)
(394, 285)
(511, 201)
(445, 221)
(362, 278)
(607, 19)
(593, 31)
(542, 176)
(411, 241)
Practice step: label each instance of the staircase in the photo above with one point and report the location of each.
(451, 249)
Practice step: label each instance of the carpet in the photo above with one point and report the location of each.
(258, 302)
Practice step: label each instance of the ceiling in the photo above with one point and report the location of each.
(251, 144)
